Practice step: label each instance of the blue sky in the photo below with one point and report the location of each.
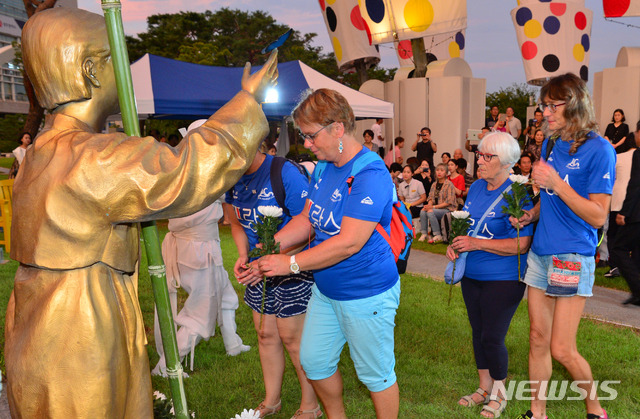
(491, 46)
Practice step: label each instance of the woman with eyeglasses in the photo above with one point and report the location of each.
(357, 286)
(279, 323)
(576, 182)
(490, 285)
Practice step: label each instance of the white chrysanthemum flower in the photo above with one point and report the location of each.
(159, 396)
(248, 414)
(519, 179)
(460, 214)
(270, 211)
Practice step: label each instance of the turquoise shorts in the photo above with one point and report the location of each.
(561, 275)
(366, 324)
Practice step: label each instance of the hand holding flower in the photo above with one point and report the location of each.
(465, 244)
(250, 274)
(274, 265)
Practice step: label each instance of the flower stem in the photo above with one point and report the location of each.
(453, 275)
(518, 244)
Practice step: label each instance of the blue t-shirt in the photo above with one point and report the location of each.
(245, 202)
(591, 170)
(486, 266)
(372, 270)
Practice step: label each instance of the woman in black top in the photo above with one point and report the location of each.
(617, 130)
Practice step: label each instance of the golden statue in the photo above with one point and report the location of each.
(75, 342)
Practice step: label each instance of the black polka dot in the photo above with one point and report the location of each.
(584, 73)
(550, 63)
(332, 19)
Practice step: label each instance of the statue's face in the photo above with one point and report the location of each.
(104, 73)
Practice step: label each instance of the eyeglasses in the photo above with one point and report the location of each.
(486, 156)
(312, 137)
(552, 106)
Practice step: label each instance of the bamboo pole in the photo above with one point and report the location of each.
(120, 57)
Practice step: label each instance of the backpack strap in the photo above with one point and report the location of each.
(362, 162)
(275, 175)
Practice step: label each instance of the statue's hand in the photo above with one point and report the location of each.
(258, 83)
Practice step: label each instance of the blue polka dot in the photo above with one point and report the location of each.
(523, 15)
(551, 25)
(375, 10)
(585, 42)
(545, 1)
(460, 40)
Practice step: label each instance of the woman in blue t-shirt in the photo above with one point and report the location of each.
(357, 287)
(286, 295)
(490, 285)
(576, 176)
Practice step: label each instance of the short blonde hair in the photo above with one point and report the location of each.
(55, 43)
(323, 107)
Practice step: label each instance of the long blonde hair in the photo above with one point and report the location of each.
(577, 111)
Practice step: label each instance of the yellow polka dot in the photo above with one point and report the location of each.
(578, 52)
(418, 15)
(532, 29)
(454, 49)
(330, 1)
(337, 48)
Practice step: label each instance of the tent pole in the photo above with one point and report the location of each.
(122, 70)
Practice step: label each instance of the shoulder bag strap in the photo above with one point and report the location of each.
(498, 199)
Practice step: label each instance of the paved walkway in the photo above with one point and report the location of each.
(605, 305)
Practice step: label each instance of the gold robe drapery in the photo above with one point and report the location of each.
(74, 334)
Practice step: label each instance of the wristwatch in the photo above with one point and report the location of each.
(293, 267)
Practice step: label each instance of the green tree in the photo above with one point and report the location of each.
(517, 96)
(230, 37)
(11, 126)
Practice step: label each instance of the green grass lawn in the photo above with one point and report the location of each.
(435, 363)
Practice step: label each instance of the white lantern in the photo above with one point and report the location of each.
(442, 47)
(554, 38)
(397, 20)
(350, 34)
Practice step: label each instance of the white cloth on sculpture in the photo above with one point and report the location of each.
(193, 258)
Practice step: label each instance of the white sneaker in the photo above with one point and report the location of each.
(237, 350)
(423, 237)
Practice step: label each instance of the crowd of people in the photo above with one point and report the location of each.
(330, 228)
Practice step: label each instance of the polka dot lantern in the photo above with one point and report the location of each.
(620, 8)
(554, 38)
(441, 47)
(399, 20)
(349, 33)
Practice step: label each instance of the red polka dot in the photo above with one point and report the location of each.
(404, 49)
(356, 19)
(581, 21)
(558, 9)
(322, 5)
(615, 8)
(368, 31)
(529, 50)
